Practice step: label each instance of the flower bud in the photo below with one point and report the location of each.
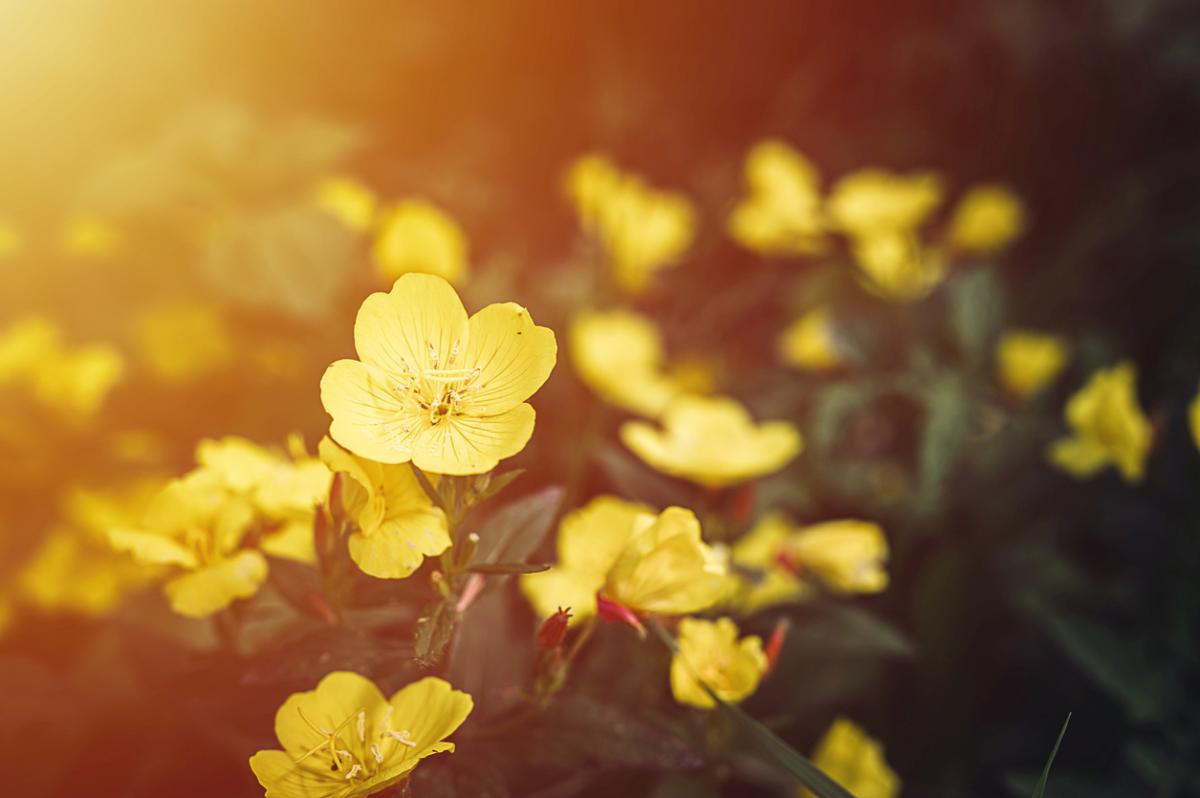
(553, 630)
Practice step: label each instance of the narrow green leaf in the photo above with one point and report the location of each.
(514, 531)
(486, 489)
(1039, 789)
(434, 495)
(976, 313)
(509, 568)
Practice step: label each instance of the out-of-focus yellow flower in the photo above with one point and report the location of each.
(418, 236)
(872, 202)
(896, 267)
(619, 354)
(1027, 361)
(76, 382)
(1109, 427)
(284, 491)
(181, 342)
(851, 758)
(345, 740)
(710, 652)
(11, 240)
(1194, 419)
(642, 229)
(987, 218)
(781, 214)
(713, 442)
(777, 563)
(647, 562)
(197, 527)
(434, 387)
(397, 526)
(139, 446)
(348, 200)
(90, 236)
(810, 342)
(24, 345)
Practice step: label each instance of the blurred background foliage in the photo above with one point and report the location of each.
(158, 167)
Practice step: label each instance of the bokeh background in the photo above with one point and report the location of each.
(1018, 594)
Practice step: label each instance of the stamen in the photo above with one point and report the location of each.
(354, 771)
(375, 752)
(403, 738)
(362, 726)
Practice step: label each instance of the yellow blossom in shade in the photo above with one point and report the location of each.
(1109, 427)
(710, 652)
(619, 355)
(759, 577)
(90, 236)
(11, 240)
(197, 527)
(24, 345)
(345, 740)
(434, 387)
(283, 490)
(648, 562)
(418, 236)
(181, 342)
(76, 382)
(1194, 419)
(713, 442)
(781, 214)
(847, 556)
(396, 524)
(987, 218)
(810, 342)
(642, 229)
(349, 200)
(896, 267)
(871, 202)
(1027, 361)
(851, 758)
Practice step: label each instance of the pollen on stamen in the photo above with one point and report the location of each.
(375, 752)
(361, 726)
(403, 738)
(352, 772)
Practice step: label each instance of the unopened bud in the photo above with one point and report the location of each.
(553, 630)
(775, 643)
(615, 612)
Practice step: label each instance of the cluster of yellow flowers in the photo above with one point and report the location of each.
(73, 381)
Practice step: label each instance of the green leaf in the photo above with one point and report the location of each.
(434, 632)
(488, 485)
(508, 568)
(515, 531)
(976, 313)
(1039, 789)
(946, 431)
(833, 406)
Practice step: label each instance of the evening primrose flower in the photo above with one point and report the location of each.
(348, 200)
(434, 387)
(630, 556)
(418, 236)
(870, 202)
(1194, 419)
(710, 652)
(75, 382)
(1109, 427)
(781, 214)
(184, 341)
(810, 342)
(345, 740)
(854, 760)
(1028, 361)
(987, 218)
(196, 527)
(895, 266)
(641, 229)
(619, 354)
(397, 526)
(713, 442)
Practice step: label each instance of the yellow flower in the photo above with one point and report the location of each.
(760, 578)
(647, 562)
(855, 761)
(90, 236)
(397, 526)
(781, 215)
(713, 442)
(181, 342)
(417, 236)
(433, 387)
(25, 344)
(11, 240)
(284, 491)
(1109, 427)
(345, 740)
(619, 354)
(76, 382)
(810, 342)
(1194, 419)
(642, 229)
(871, 202)
(710, 652)
(1026, 361)
(987, 218)
(197, 527)
(348, 200)
(896, 267)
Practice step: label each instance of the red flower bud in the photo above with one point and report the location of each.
(775, 644)
(553, 630)
(742, 502)
(614, 612)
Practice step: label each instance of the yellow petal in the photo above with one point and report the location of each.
(847, 555)
(564, 587)
(464, 444)
(854, 760)
(369, 418)
(591, 538)
(514, 357)
(282, 777)
(430, 710)
(400, 544)
(666, 568)
(292, 541)
(709, 652)
(1027, 361)
(986, 219)
(201, 593)
(417, 236)
(420, 324)
(337, 698)
(151, 547)
(1079, 457)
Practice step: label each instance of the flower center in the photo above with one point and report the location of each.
(355, 750)
(435, 389)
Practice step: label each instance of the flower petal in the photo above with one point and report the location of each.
(368, 417)
(199, 594)
(430, 710)
(562, 587)
(283, 777)
(150, 547)
(305, 718)
(415, 326)
(401, 543)
(514, 355)
(472, 445)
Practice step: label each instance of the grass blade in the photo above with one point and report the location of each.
(1039, 789)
